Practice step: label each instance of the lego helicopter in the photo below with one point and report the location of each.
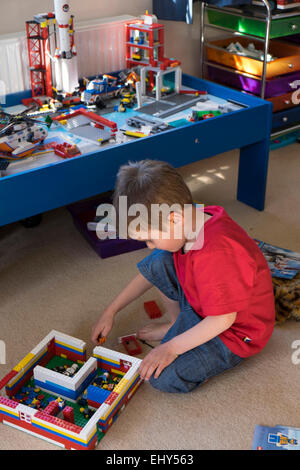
(20, 135)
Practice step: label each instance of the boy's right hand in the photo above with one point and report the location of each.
(102, 327)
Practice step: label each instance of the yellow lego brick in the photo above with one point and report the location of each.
(116, 371)
(121, 385)
(135, 134)
(24, 362)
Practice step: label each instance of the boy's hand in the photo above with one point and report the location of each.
(102, 327)
(157, 359)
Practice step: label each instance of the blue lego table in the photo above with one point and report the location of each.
(57, 184)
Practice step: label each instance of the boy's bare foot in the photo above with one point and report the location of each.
(154, 331)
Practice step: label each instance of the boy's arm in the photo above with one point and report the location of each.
(164, 354)
(132, 291)
(208, 328)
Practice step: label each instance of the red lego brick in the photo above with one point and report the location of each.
(68, 413)
(131, 345)
(152, 309)
(111, 398)
(7, 378)
(8, 402)
(58, 422)
(52, 409)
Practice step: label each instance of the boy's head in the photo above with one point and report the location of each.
(151, 183)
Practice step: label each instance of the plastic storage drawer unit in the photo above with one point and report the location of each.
(274, 87)
(287, 57)
(283, 102)
(278, 27)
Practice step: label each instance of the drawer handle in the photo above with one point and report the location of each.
(287, 102)
(293, 26)
(284, 119)
(291, 66)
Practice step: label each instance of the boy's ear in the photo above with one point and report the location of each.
(175, 217)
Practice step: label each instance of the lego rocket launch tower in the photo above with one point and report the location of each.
(52, 52)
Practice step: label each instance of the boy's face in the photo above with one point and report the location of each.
(171, 239)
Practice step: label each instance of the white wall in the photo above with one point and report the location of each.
(182, 41)
(14, 13)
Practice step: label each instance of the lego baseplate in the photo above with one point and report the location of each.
(57, 394)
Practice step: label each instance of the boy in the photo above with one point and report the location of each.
(218, 293)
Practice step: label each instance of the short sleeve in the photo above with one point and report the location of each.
(223, 282)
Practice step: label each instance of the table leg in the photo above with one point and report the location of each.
(252, 176)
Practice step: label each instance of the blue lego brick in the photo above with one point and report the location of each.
(97, 394)
(60, 390)
(57, 389)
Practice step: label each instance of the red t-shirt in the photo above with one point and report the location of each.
(229, 274)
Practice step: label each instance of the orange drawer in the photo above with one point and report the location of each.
(288, 57)
(283, 102)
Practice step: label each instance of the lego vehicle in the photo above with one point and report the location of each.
(154, 127)
(20, 135)
(66, 150)
(100, 89)
(128, 100)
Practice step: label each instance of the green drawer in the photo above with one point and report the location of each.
(278, 27)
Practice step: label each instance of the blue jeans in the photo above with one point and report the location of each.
(192, 368)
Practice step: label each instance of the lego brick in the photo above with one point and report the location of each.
(111, 398)
(97, 394)
(113, 357)
(58, 390)
(152, 309)
(68, 413)
(121, 385)
(7, 402)
(27, 410)
(22, 364)
(52, 409)
(69, 341)
(131, 345)
(88, 369)
(7, 378)
(44, 375)
(58, 422)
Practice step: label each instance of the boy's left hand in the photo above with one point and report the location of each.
(157, 359)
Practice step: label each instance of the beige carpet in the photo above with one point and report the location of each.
(52, 279)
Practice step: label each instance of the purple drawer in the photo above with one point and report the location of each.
(84, 212)
(274, 87)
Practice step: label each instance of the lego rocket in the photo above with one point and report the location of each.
(66, 72)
